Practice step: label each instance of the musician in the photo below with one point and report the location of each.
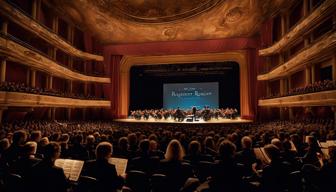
(194, 109)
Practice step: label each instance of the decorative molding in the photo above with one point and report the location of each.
(316, 51)
(18, 53)
(16, 99)
(324, 98)
(41, 31)
(308, 24)
(128, 61)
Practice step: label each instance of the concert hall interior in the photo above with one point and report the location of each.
(167, 96)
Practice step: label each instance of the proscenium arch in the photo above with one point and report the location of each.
(237, 56)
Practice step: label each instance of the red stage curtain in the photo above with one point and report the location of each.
(112, 65)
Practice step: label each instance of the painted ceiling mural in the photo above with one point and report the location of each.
(137, 21)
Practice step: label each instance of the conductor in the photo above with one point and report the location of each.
(194, 112)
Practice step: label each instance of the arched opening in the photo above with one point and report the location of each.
(239, 57)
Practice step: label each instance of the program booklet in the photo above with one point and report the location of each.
(72, 168)
(120, 164)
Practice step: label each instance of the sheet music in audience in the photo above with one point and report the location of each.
(331, 143)
(262, 155)
(120, 164)
(72, 168)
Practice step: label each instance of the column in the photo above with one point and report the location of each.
(3, 69)
(313, 77)
(281, 58)
(70, 34)
(36, 7)
(290, 109)
(53, 113)
(55, 24)
(305, 8)
(68, 113)
(306, 40)
(4, 27)
(70, 62)
(84, 114)
(283, 24)
(50, 82)
(308, 75)
(282, 92)
(33, 78)
(334, 67)
(49, 114)
(2, 109)
(28, 77)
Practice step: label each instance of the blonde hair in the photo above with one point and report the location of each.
(174, 151)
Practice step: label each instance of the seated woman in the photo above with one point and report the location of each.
(177, 173)
(102, 170)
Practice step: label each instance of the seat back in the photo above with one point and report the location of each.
(137, 181)
(86, 184)
(13, 183)
(204, 170)
(158, 182)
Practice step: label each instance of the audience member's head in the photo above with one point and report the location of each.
(123, 143)
(144, 146)
(52, 151)
(194, 148)
(277, 143)
(30, 148)
(36, 136)
(103, 150)
(153, 145)
(4, 144)
(44, 141)
(19, 137)
(209, 142)
(174, 151)
(90, 139)
(272, 152)
(246, 142)
(226, 149)
(64, 138)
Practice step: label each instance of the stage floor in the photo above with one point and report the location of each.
(172, 121)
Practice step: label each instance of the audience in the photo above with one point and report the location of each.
(311, 88)
(21, 87)
(220, 157)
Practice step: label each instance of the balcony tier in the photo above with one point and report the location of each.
(16, 99)
(43, 32)
(305, 26)
(316, 51)
(22, 53)
(323, 98)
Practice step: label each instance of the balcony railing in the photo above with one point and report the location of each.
(11, 10)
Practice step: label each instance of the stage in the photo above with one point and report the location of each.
(172, 121)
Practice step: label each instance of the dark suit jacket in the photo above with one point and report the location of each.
(47, 178)
(105, 173)
(226, 176)
(176, 172)
(24, 166)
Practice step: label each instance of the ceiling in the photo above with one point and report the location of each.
(138, 21)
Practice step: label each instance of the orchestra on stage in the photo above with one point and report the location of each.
(180, 115)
